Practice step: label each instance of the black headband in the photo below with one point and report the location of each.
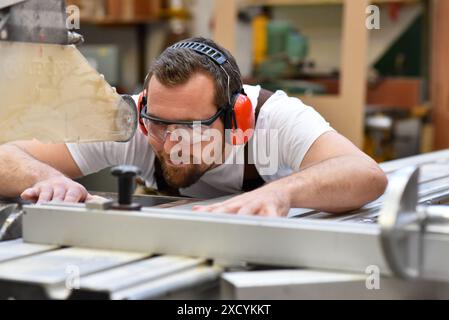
(216, 55)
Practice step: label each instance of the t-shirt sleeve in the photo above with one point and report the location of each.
(93, 157)
(296, 126)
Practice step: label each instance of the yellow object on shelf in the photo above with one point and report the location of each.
(260, 38)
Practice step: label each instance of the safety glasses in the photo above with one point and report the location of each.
(195, 131)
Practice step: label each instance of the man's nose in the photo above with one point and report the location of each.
(169, 144)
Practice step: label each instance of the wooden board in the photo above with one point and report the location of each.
(50, 92)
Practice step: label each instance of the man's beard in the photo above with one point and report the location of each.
(182, 176)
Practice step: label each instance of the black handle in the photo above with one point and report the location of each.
(126, 182)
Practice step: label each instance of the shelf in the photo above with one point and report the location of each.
(246, 3)
(120, 22)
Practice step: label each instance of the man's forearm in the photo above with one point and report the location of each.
(356, 182)
(19, 170)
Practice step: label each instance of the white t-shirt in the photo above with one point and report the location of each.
(295, 125)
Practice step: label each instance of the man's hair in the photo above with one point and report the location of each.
(176, 66)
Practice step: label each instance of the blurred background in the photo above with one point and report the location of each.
(381, 78)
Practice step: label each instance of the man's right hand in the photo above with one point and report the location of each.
(59, 188)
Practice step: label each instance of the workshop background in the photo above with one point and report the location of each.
(385, 87)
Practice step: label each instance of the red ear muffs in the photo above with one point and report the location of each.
(141, 102)
(243, 120)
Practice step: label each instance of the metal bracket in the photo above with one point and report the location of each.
(403, 224)
(10, 222)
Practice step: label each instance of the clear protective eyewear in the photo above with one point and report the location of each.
(193, 131)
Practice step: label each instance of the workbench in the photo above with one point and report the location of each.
(166, 251)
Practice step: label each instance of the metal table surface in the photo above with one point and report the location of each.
(41, 271)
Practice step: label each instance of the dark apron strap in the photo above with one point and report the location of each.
(251, 177)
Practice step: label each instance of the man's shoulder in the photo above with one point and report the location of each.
(256, 93)
(279, 102)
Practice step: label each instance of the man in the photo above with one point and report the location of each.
(315, 167)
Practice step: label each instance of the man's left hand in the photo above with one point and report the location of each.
(265, 201)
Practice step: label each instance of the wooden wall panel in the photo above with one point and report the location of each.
(226, 24)
(440, 72)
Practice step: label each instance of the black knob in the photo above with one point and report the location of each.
(126, 184)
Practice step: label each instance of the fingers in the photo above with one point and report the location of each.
(75, 195)
(90, 197)
(233, 207)
(218, 208)
(58, 189)
(30, 194)
(269, 211)
(243, 207)
(250, 209)
(59, 193)
(226, 208)
(199, 208)
(45, 194)
(229, 206)
(204, 208)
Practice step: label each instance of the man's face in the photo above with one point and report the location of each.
(191, 101)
